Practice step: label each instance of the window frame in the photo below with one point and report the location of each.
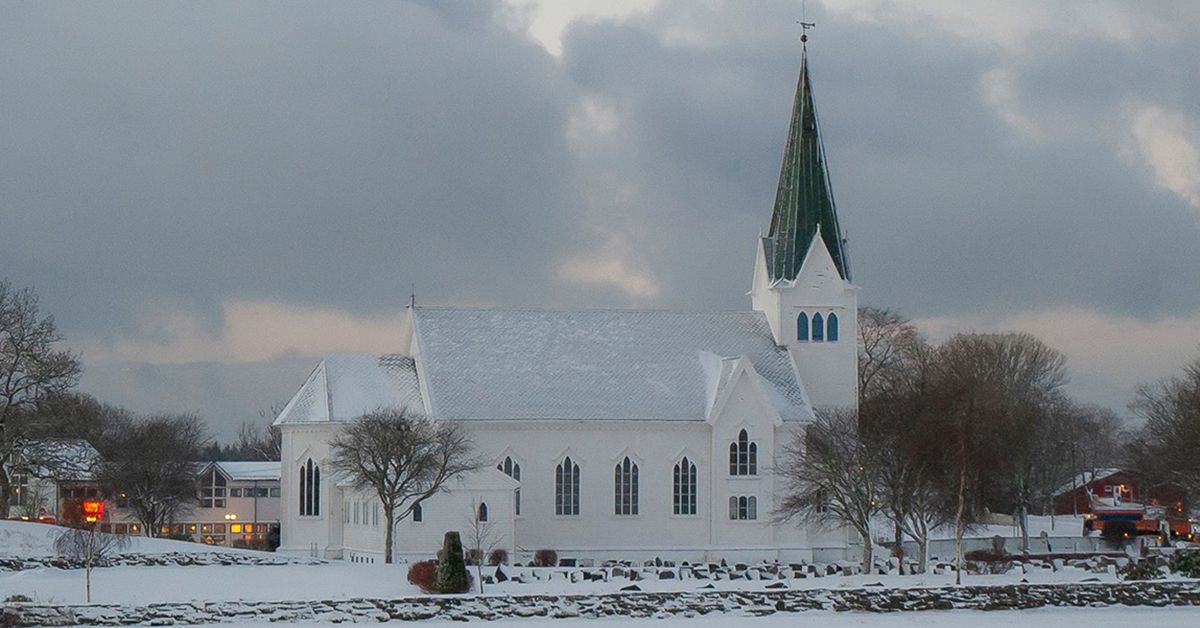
(567, 502)
(626, 488)
(685, 488)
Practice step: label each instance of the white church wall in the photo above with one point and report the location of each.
(305, 535)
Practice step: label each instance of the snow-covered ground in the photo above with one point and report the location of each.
(1037, 618)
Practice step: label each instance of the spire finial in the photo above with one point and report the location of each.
(412, 295)
(804, 23)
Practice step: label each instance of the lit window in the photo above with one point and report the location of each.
(831, 327)
(235, 528)
(625, 483)
(802, 327)
(818, 328)
(684, 491)
(512, 470)
(566, 488)
(743, 455)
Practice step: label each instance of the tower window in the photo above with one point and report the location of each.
(483, 513)
(743, 455)
(818, 328)
(743, 508)
(802, 327)
(831, 327)
(418, 513)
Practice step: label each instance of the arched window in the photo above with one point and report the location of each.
(743, 455)
(743, 508)
(483, 514)
(684, 491)
(802, 327)
(418, 513)
(512, 470)
(625, 487)
(818, 328)
(831, 327)
(566, 488)
(310, 489)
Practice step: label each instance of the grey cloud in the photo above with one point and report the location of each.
(157, 156)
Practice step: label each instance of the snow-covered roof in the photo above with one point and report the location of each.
(1085, 478)
(345, 386)
(593, 364)
(247, 471)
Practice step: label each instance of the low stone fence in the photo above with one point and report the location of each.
(628, 604)
(21, 563)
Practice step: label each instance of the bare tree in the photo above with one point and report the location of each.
(87, 546)
(831, 476)
(1164, 450)
(403, 457)
(153, 463)
(31, 369)
(481, 537)
(887, 345)
(994, 395)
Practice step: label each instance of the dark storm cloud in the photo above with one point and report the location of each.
(178, 156)
(163, 154)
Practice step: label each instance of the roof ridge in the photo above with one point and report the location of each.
(480, 308)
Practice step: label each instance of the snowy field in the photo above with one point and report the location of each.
(1037, 618)
(338, 580)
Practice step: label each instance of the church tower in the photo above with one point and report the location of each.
(802, 272)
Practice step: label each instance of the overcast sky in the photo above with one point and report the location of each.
(208, 195)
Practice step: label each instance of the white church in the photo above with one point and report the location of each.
(610, 434)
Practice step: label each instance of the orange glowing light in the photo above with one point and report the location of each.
(93, 511)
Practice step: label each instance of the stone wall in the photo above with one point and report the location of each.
(17, 563)
(625, 604)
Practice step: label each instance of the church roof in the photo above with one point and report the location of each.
(592, 364)
(347, 385)
(804, 197)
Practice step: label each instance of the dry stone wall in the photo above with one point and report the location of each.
(626, 604)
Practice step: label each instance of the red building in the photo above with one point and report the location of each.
(1110, 484)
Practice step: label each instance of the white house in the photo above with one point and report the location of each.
(610, 433)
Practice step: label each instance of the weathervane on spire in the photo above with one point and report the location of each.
(804, 25)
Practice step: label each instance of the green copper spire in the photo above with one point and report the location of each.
(804, 200)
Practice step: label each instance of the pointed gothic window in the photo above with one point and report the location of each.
(310, 489)
(566, 487)
(483, 513)
(625, 487)
(818, 328)
(802, 327)
(684, 488)
(743, 455)
(831, 327)
(418, 513)
(512, 470)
